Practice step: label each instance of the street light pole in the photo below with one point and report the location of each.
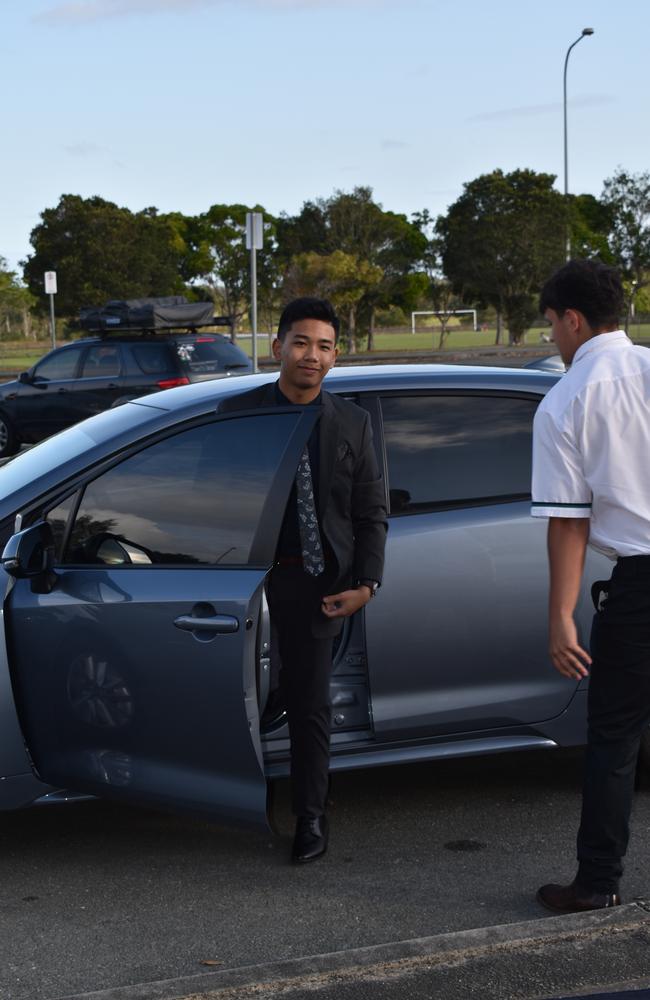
(585, 31)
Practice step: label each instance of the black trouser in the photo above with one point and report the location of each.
(618, 712)
(294, 599)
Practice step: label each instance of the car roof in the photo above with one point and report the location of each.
(354, 378)
(62, 457)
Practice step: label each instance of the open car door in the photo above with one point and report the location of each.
(134, 615)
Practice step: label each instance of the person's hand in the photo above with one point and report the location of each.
(346, 603)
(568, 656)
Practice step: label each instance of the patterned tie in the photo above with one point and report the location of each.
(310, 541)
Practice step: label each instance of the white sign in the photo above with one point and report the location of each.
(50, 282)
(254, 230)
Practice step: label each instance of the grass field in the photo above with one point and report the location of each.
(15, 356)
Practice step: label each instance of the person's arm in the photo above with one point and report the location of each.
(369, 524)
(567, 544)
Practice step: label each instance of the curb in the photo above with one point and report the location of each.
(398, 959)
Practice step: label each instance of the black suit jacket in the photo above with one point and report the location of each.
(351, 499)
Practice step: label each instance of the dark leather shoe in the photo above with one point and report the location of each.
(310, 841)
(574, 899)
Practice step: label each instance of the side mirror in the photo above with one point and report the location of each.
(29, 555)
(24, 377)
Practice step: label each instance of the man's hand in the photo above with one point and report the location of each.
(346, 603)
(567, 654)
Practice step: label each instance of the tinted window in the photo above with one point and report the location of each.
(61, 364)
(153, 359)
(444, 450)
(203, 355)
(101, 361)
(194, 498)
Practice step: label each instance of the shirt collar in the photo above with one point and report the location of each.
(283, 401)
(599, 342)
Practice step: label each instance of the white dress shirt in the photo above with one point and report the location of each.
(591, 445)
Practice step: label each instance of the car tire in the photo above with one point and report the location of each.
(9, 443)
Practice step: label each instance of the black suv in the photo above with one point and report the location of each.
(82, 378)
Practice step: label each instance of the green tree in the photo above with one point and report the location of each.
(354, 224)
(501, 239)
(16, 305)
(101, 251)
(218, 257)
(340, 277)
(627, 196)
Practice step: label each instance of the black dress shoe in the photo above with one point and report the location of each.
(310, 841)
(574, 899)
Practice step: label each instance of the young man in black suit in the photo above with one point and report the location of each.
(330, 554)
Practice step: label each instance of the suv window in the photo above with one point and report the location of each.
(194, 498)
(153, 359)
(59, 365)
(204, 354)
(102, 360)
(457, 450)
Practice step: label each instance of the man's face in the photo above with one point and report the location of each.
(564, 332)
(306, 353)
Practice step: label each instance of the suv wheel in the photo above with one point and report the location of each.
(9, 443)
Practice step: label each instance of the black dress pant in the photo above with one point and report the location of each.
(618, 712)
(294, 600)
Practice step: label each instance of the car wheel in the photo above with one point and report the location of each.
(9, 443)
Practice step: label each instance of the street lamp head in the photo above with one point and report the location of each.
(587, 31)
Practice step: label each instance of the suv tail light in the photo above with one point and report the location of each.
(171, 383)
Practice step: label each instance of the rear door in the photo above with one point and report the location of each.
(457, 638)
(136, 675)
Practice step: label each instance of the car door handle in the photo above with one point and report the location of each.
(61, 390)
(216, 623)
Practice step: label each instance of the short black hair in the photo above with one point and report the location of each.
(592, 288)
(308, 308)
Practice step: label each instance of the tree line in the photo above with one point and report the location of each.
(493, 249)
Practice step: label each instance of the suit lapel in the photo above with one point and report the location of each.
(330, 430)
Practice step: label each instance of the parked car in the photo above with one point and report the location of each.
(83, 378)
(135, 656)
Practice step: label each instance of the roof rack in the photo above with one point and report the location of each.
(150, 315)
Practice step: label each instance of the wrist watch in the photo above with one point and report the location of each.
(373, 585)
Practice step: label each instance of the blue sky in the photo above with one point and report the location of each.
(185, 103)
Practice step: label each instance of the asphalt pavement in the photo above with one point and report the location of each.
(99, 897)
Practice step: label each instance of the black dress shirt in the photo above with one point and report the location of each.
(289, 546)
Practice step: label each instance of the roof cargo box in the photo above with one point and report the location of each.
(164, 313)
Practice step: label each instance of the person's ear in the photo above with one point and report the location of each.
(576, 320)
(276, 347)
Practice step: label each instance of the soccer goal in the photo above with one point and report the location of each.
(434, 312)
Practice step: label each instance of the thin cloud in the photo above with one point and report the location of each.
(394, 144)
(532, 110)
(81, 12)
(84, 149)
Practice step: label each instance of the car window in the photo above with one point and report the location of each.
(194, 498)
(153, 359)
(203, 355)
(455, 450)
(101, 360)
(61, 364)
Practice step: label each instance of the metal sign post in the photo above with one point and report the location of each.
(254, 242)
(50, 289)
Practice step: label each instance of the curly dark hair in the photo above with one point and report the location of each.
(592, 288)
